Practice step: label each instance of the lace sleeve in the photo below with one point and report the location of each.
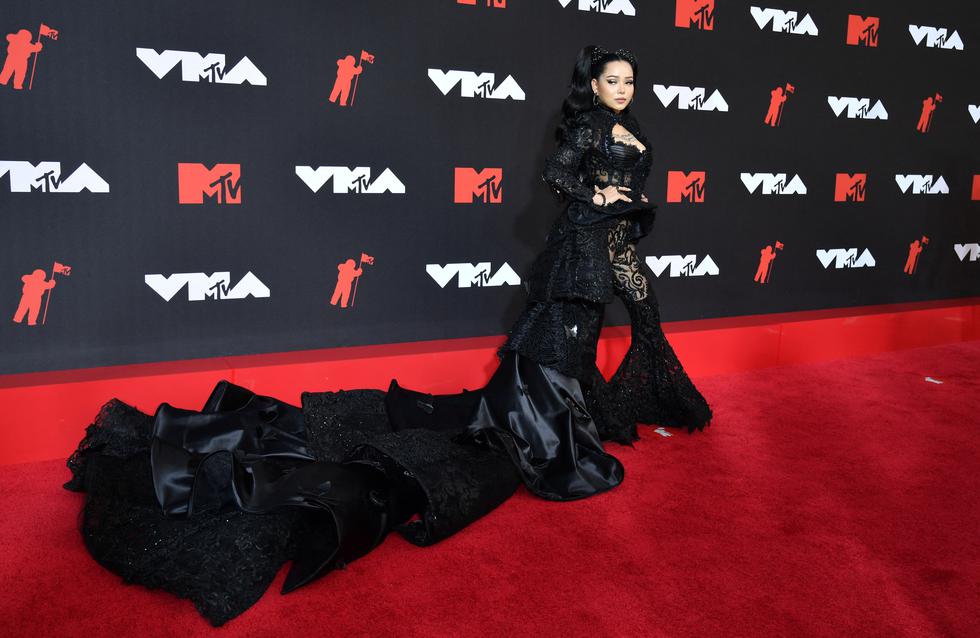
(561, 167)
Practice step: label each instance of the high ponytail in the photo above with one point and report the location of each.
(589, 63)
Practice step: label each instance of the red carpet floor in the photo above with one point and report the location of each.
(837, 499)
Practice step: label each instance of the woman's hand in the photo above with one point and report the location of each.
(612, 193)
(643, 198)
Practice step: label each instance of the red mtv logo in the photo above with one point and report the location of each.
(221, 184)
(850, 188)
(699, 14)
(862, 31)
(975, 196)
(685, 187)
(486, 185)
(496, 4)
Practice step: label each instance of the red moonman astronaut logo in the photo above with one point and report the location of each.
(767, 256)
(19, 50)
(348, 275)
(698, 14)
(496, 4)
(850, 188)
(777, 98)
(347, 73)
(915, 248)
(221, 184)
(862, 31)
(686, 187)
(928, 108)
(36, 284)
(472, 185)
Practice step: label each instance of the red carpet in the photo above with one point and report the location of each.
(835, 499)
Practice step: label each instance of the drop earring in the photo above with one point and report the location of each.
(595, 99)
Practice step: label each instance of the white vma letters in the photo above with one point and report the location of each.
(201, 286)
(690, 98)
(936, 37)
(350, 180)
(195, 67)
(45, 177)
(773, 183)
(974, 112)
(964, 251)
(784, 21)
(857, 108)
(472, 84)
(922, 184)
(682, 265)
(845, 258)
(603, 6)
(468, 275)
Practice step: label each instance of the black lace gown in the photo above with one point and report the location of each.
(209, 504)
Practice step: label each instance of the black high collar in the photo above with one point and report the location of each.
(602, 108)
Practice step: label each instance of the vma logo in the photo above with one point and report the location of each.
(695, 14)
(936, 38)
(690, 98)
(686, 187)
(221, 184)
(967, 252)
(472, 185)
(350, 180)
(845, 258)
(857, 108)
(850, 188)
(784, 21)
(195, 67)
(773, 183)
(974, 112)
(472, 84)
(469, 275)
(682, 265)
(625, 7)
(45, 177)
(201, 286)
(922, 184)
(862, 31)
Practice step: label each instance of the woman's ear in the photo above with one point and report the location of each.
(595, 86)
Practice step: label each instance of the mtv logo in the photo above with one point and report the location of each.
(862, 31)
(773, 183)
(197, 182)
(45, 177)
(682, 265)
(624, 7)
(784, 21)
(485, 185)
(857, 108)
(468, 275)
(476, 84)
(850, 188)
(686, 187)
(699, 14)
(922, 184)
(936, 37)
(201, 286)
(690, 98)
(195, 67)
(845, 258)
(350, 180)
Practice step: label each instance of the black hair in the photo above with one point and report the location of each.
(580, 96)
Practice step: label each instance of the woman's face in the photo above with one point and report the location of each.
(615, 85)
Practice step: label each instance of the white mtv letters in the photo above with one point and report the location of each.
(201, 286)
(773, 183)
(922, 184)
(936, 37)
(690, 98)
(474, 84)
(846, 258)
(624, 7)
(473, 275)
(195, 67)
(682, 265)
(964, 251)
(784, 21)
(350, 180)
(46, 178)
(857, 108)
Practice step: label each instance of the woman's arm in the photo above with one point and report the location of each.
(561, 167)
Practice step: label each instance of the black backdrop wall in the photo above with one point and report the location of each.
(181, 169)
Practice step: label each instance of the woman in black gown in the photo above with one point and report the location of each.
(209, 504)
